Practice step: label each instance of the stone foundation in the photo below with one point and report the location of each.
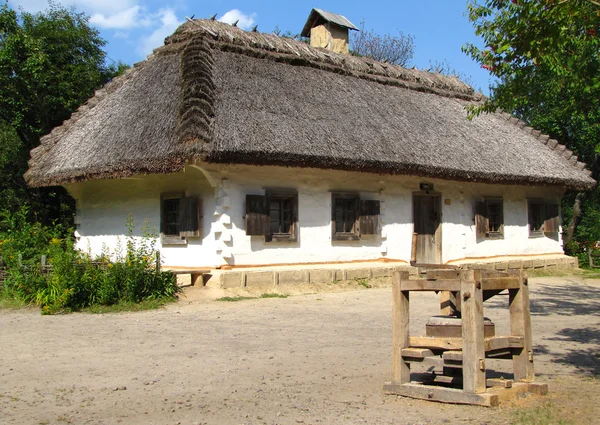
(269, 278)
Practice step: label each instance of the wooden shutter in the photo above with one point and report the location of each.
(369, 217)
(551, 219)
(257, 215)
(189, 216)
(481, 226)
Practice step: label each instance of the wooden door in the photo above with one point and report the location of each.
(427, 246)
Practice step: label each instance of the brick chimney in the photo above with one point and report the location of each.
(328, 31)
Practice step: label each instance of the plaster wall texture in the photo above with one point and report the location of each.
(104, 205)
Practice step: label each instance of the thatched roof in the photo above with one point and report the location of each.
(219, 94)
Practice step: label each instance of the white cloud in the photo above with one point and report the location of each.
(168, 24)
(128, 18)
(244, 21)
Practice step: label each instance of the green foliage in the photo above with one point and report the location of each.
(546, 56)
(76, 280)
(50, 63)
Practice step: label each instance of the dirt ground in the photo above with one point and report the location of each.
(307, 359)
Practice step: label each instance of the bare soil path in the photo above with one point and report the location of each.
(310, 359)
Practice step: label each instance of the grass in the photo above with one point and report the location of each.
(240, 298)
(126, 306)
(363, 282)
(586, 273)
(10, 303)
(542, 415)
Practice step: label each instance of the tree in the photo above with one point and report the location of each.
(395, 50)
(546, 56)
(50, 63)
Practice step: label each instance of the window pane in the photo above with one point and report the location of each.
(494, 216)
(535, 217)
(171, 216)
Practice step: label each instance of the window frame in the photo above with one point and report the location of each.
(195, 219)
(538, 204)
(482, 219)
(352, 199)
(258, 215)
(367, 217)
(282, 194)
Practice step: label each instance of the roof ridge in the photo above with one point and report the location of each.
(270, 46)
(545, 139)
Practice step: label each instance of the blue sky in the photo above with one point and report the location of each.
(133, 28)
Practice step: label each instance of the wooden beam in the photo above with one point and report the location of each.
(495, 283)
(400, 329)
(520, 324)
(416, 353)
(442, 274)
(445, 343)
(496, 382)
(472, 332)
(432, 285)
(444, 395)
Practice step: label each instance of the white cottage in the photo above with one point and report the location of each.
(247, 149)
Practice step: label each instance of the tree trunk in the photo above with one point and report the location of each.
(575, 219)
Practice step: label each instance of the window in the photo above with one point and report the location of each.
(542, 218)
(273, 215)
(352, 217)
(489, 219)
(535, 211)
(180, 218)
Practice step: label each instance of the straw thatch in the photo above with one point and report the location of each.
(220, 94)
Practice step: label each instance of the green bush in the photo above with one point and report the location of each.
(76, 280)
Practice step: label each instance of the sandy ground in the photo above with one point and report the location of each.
(309, 359)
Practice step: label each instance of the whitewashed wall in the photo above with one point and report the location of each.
(104, 205)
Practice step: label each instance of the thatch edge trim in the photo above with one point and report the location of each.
(545, 139)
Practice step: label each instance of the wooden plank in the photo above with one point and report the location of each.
(503, 342)
(496, 283)
(455, 356)
(497, 382)
(442, 274)
(444, 395)
(417, 353)
(487, 273)
(400, 330)
(432, 285)
(456, 344)
(520, 325)
(472, 332)
(437, 343)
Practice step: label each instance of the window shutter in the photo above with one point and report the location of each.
(189, 217)
(481, 226)
(257, 215)
(551, 219)
(370, 217)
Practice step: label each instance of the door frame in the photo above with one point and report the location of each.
(438, 230)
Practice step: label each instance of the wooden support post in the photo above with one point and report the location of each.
(400, 329)
(520, 325)
(472, 332)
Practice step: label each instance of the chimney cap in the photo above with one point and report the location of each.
(315, 14)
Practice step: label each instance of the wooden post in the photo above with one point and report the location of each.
(472, 332)
(400, 329)
(413, 252)
(158, 261)
(520, 325)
